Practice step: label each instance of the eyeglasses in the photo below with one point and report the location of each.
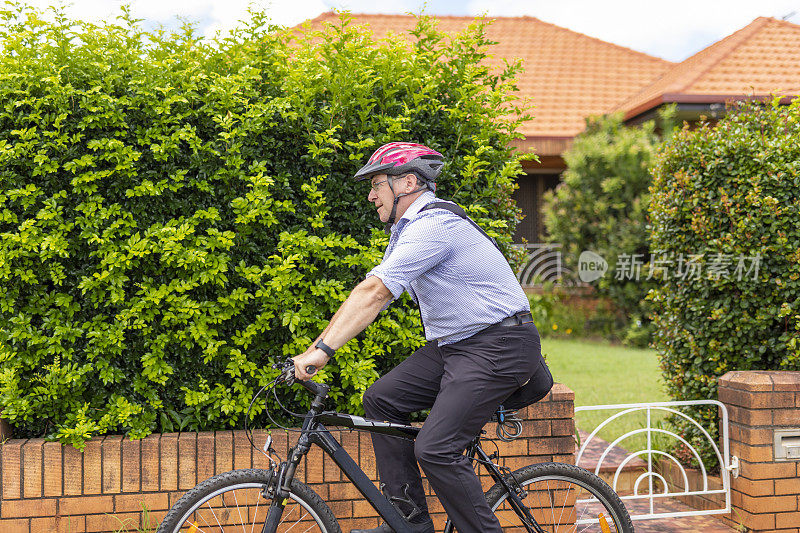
(375, 186)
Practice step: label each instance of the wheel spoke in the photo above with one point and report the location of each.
(233, 501)
(578, 494)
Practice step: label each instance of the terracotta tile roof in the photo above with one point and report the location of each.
(568, 75)
(761, 59)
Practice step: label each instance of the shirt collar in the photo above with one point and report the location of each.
(422, 200)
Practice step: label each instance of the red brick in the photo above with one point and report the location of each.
(242, 451)
(151, 466)
(28, 508)
(113, 522)
(786, 417)
(330, 471)
(550, 410)
(746, 380)
(752, 454)
(362, 509)
(358, 523)
(786, 381)
(561, 392)
(73, 471)
(767, 470)
(559, 445)
(131, 465)
(187, 460)
(12, 468)
(14, 525)
(749, 417)
(52, 469)
(787, 520)
(769, 504)
(756, 400)
(224, 446)
(787, 486)
(313, 466)
(341, 509)
(205, 456)
(82, 505)
(112, 464)
(763, 487)
(169, 461)
(758, 522)
(67, 524)
(32, 468)
(152, 519)
(92, 466)
(343, 491)
(752, 436)
(136, 502)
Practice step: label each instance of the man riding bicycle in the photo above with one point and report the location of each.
(482, 345)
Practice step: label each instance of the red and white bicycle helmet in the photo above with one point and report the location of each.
(395, 159)
(398, 159)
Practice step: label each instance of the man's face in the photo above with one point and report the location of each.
(381, 195)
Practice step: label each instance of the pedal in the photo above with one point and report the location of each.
(415, 510)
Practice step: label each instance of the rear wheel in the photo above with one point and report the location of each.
(561, 498)
(234, 501)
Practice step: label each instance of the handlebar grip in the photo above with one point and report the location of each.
(311, 369)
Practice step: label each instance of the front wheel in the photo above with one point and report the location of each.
(235, 501)
(561, 498)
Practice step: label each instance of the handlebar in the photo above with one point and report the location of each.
(287, 375)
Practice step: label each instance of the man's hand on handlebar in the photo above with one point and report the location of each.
(312, 359)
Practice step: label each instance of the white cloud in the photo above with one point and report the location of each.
(212, 15)
(673, 30)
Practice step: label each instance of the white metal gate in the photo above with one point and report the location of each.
(638, 496)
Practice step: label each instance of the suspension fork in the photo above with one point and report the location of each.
(280, 486)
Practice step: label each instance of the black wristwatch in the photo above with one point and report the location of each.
(325, 348)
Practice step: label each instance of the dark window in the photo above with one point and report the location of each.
(529, 198)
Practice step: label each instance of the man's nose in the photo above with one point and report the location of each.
(372, 195)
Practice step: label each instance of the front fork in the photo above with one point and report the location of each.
(279, 488)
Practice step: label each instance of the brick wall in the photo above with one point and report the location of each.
(766, 493)
(47, 487)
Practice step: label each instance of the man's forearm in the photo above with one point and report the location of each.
(356, 313)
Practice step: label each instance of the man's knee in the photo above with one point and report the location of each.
(377, 399)
(428, 452)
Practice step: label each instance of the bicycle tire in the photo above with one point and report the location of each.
(556, 481)
(216, 499)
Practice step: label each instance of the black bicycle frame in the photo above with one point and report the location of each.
(315, 432)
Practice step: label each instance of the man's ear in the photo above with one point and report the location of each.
(413, 183)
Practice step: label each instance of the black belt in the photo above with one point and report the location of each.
(516, 320)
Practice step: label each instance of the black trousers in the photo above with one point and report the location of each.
(463, 384)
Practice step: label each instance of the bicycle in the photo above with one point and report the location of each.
(545, 497)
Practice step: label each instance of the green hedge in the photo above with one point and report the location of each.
(178, 214)
(725, 200)
(601, 206)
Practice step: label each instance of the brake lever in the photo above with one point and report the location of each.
(288, 373)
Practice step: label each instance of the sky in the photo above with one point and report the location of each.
(671, 30)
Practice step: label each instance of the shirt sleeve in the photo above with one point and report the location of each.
(420, 247)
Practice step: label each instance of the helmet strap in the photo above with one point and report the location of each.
(393, 214)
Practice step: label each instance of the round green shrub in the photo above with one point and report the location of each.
(601, 206)
(724, 210)
(178, 214)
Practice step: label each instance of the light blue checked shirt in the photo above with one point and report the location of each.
(462, 283)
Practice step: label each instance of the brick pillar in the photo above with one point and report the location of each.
(766, 493)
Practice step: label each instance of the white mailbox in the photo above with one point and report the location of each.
(787, 445)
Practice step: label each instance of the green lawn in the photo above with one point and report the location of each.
(600, 374)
